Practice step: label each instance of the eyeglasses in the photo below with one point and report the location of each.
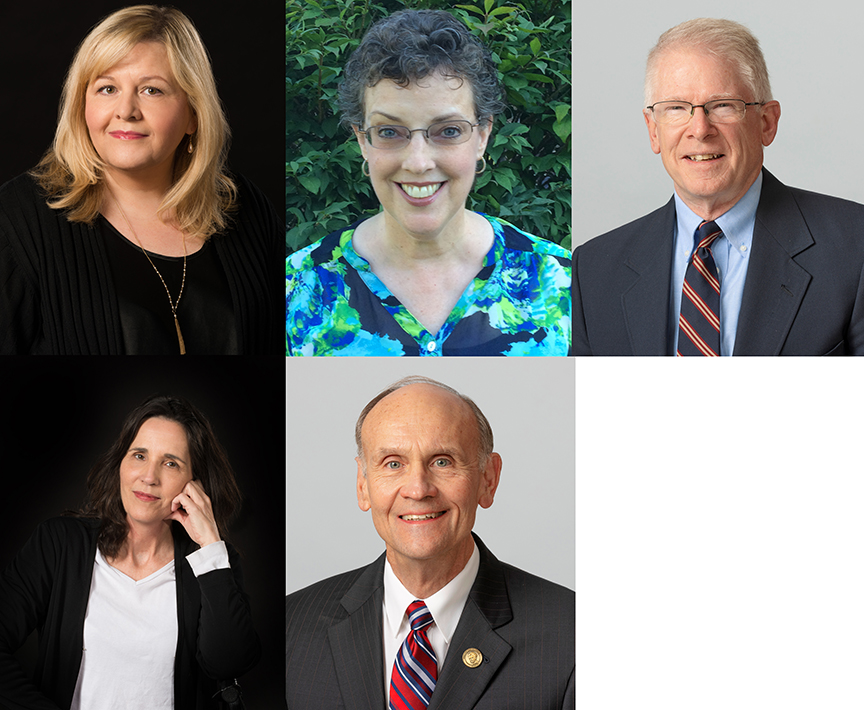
(443, 133)
(677, 113)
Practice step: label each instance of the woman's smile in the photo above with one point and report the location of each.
(423, 174)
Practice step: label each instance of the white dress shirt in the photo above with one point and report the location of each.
(445, 606)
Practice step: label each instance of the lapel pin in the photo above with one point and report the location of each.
(472, 658)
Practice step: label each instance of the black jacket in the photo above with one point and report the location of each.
(47, 587)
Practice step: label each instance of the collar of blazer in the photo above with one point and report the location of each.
(358, 648)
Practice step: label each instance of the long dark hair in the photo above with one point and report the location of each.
(210, 466)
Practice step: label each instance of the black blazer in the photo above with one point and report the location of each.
(523, 625)
(804, 293)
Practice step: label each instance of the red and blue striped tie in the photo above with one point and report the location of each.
(699, 322)
(415, 670)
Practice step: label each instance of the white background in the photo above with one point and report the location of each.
(719, 543)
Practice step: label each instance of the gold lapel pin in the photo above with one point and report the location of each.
(472, 658)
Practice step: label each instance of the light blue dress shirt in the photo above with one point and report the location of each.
(731, 255)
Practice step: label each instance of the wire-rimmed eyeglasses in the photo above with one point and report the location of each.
(676, 113)
(443, 133)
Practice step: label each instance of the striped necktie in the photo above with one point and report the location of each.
(699, 322)
(415, 670)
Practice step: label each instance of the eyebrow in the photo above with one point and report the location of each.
(437, 119)
(145, 450)
(140, 79)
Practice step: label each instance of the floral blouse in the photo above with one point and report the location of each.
(518, 304)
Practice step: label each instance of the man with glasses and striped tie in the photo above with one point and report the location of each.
(437, 621)
(736, 262)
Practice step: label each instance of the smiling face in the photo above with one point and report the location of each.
(712, 165)
(423, 480)
(137, 114)
(423, 187)
(154, 471)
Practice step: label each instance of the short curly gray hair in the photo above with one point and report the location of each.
(412, 44)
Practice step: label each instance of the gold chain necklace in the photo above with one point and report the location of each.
(171, 302)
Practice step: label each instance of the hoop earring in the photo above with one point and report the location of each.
(365, 167)
(483, 169)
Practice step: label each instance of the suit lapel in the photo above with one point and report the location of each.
(646, 301)
(487, 608)
(356, 642)
(775, 284)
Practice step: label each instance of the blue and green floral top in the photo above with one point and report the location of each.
(518, 304)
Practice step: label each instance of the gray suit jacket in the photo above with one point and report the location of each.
(523, 625)
(804, 293)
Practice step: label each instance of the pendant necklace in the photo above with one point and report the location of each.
(174, 304)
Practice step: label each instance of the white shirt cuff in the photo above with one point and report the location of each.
(208, 558)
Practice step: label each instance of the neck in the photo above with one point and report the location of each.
(398, 246)
(145, 543)
(425, 577)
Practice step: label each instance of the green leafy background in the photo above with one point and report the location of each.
(527, 181)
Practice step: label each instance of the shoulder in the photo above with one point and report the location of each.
(324, 595)
(323, 254)
(21, 199)
(819, 205)
(536, 590)
(518, 240)
(65, 533)
(659, 223)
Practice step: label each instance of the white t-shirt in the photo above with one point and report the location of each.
(130, 635)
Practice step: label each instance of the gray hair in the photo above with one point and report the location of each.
(485, 443)
(722, 38)
(412, 44)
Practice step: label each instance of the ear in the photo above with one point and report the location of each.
(770, 118)
(361, 140)
(491, 476)
(362, 487)
(485, 131)
(648, 115)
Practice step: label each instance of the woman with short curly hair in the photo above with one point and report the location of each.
(426, 276)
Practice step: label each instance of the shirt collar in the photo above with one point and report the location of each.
(445, 605)
(737, 223)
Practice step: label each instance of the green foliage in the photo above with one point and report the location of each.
(527, 180)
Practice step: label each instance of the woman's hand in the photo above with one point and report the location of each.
(192, 509)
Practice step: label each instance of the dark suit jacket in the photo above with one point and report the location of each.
(804, 293)
(523, 625)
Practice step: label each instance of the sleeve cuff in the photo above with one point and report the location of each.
(208, 558)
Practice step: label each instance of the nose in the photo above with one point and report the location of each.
(700, 126)
(418, 483)
(150, 473)
(418, 154)
(127, 108)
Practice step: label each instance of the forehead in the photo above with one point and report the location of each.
(434, 96)
(161, 433)
(691, 73)
(150, 57)
(422, 415)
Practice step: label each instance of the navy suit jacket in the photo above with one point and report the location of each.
(804, 293)
(523, 625)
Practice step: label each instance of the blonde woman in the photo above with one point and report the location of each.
(130, 237)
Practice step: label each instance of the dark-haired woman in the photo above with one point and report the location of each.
(138, 601)
(425, 276)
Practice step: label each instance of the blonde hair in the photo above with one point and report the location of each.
(722, 38)
(72, 173)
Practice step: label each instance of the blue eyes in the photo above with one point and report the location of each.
(437, 463)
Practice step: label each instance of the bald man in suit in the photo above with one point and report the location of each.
(499, 637)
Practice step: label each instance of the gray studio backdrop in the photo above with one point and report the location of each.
(529, 403)
(815, 59)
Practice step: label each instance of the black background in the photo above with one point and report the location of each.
(59, 414)
(246, 41)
